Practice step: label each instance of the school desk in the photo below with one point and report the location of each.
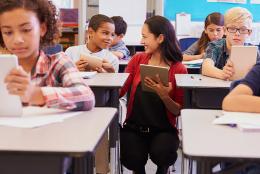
(202, 141)
(106, 88)
(42, 150)
(201, 91)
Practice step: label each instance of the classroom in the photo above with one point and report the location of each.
(129, 86)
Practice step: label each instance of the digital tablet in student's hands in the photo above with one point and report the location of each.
(10, 105)
(151, 71)
(243, 58)
(93, 61)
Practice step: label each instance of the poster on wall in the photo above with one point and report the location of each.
(229, 1)
(255, 1)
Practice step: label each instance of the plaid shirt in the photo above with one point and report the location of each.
(218, 52)
(61, 84)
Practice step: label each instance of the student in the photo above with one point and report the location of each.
(245, 97)
(238, 27)
(100, 35)
(118, 47)
(53, 81)
(149, 128)
(213, 30)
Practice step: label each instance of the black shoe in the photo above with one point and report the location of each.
(162, 170)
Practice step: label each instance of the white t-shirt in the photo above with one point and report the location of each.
(74, 53)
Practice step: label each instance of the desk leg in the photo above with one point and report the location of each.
(84, 165)
(204, 167)
(114, 133)
(187, 98)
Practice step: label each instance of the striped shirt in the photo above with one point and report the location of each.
(61, 84)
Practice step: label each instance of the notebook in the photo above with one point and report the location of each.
(10, 105)
(243, 120)
(243, 58)
(151, 71)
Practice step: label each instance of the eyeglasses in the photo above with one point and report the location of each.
(240, 30)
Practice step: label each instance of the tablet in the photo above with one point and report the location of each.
(243, 58)
(93, 61)
(151, 71)
(10, 105)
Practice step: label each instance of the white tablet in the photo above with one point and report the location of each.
(10, 105)
(243, 58)
(151, 71)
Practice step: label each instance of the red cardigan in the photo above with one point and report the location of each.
(134, 79)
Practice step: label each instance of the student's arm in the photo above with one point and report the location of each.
(118, 54)
(19, 83)
(208, 69)
(72, 93)
(106, 67)
(192, 53)
(245, 96)
(187, 57)
(241, 99)
(113, 61)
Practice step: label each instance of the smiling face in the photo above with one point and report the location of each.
(21, 32)
(237, 33)
(150, 42)
(102, 37)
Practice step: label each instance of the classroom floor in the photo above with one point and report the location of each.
(151, 167)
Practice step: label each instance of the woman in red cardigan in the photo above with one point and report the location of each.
(149, 129)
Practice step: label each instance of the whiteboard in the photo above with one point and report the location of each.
(133, 11)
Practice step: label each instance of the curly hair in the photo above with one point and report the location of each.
(46, 13)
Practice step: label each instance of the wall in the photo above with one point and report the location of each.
(172, 7)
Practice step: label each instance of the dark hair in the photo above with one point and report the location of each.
(120, 25)
(45, 11)
(213, 18)
(170, 49)
(97, 20)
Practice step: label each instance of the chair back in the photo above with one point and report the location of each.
(53, 49)
(185, 43)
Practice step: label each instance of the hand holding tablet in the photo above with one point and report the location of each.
(93, 62)
(10, 104)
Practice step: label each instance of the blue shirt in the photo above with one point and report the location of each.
(218, 52)
(121, 47)
(252, 80)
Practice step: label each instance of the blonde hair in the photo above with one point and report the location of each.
(238, 14)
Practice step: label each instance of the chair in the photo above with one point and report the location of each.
(53, 49)
(186, 42)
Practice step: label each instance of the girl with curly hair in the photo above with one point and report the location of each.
(26, 26)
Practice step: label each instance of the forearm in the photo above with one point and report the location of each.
(241, 103)
(171, 105)
(187, 57)
(37, 97)
(118, 54)
(210, 70)
(76, 97)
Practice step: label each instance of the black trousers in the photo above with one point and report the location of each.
(136, 146)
